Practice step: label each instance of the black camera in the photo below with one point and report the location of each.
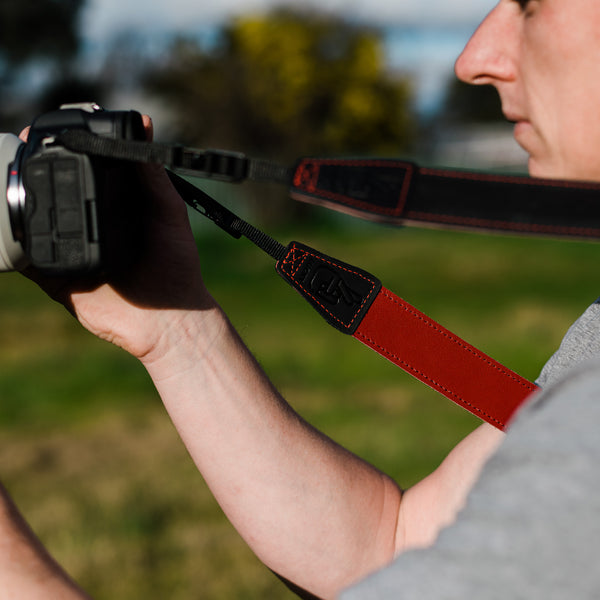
(64, 211)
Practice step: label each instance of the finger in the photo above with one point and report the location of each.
(24, 134)
(149, 127)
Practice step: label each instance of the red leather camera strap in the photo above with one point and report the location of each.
(442, 360)
(354, 302)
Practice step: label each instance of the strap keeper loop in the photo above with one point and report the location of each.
(219, 165)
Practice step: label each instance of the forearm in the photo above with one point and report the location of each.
(27, 571)
(312, 511)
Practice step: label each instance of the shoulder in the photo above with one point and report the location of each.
(531, 521)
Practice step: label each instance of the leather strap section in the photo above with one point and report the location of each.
(442, 360)
(340, 293)
(402, 193)
(354, 302)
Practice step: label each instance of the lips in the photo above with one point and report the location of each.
(513, 117)
(522, 129)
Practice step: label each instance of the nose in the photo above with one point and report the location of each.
(490, 54)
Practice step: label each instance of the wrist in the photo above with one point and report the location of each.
(185, 338)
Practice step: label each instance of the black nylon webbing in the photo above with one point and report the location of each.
(79, 140)
(265, 242)
(264, 170)
(388, 190)
(224, 218)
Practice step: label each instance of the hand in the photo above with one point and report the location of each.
(135, 308)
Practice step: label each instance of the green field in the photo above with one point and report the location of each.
(93, 461)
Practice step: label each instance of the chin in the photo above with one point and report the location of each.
(552, 170)
(548, 170)
(537, 169)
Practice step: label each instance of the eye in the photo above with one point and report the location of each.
(526, 6)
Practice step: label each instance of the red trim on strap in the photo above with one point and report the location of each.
(437, 357)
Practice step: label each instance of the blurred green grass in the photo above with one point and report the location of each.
(94, 463)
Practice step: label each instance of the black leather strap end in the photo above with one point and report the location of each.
(340, 293)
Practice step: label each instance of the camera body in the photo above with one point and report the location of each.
(65, 211)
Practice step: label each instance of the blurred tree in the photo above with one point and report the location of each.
(42, 31)
(46, 28)
(285, 84)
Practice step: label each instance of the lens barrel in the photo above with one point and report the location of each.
(12, 256)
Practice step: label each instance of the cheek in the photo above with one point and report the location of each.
(561, 94)
(578, 136)
(564, 109)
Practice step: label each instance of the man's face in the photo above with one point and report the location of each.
(543, 57)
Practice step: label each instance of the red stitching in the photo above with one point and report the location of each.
(307, 175)
(359, 162)
(458, 341)
(508, 225)
(402, 196)
(294, 250)
(441, 173)
(299, 260)
(433, 382)
(556, 183)
(432, 324)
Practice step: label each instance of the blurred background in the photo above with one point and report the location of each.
(85, 446)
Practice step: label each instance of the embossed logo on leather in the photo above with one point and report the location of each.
(340, 292)
(327, 284)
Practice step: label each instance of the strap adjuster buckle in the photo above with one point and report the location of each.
(220, 165)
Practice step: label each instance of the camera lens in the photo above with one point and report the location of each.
(11, 252)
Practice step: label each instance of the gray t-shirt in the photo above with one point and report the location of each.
(581, 342)
(531, 526)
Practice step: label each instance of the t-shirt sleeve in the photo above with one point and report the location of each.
(581, 343)
(531, 526)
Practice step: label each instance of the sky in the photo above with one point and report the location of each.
(102, 16)
(423, 37)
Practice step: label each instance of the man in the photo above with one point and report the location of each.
(532, 521)
(314, 513)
